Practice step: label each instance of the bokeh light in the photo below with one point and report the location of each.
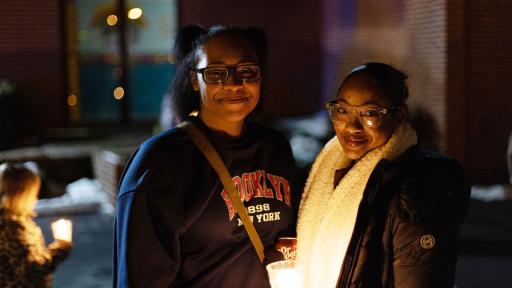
(72, 100)
(119, 93)
(112, 20)
(134, 13)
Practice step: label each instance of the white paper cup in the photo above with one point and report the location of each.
(62, 229)
(285, 274)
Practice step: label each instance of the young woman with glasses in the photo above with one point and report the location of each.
(175, 223)
(377, 211)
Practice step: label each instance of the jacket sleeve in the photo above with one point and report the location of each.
(147, 256)
(271, 254)
(146, 232)
(431, 206)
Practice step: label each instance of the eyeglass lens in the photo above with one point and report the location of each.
(221, 74)
(368, 116)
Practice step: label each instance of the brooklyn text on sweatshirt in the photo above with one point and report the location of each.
(254, 185)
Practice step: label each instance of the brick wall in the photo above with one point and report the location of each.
(488, 87)
(30, 56)
(457, 56)
(292, 80)
(357, 32)
(456, 126)
(425, 60)
(409, 35)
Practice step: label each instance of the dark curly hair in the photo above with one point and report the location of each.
(189, 39)
(391, 80)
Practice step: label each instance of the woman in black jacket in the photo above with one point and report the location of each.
(377, 211)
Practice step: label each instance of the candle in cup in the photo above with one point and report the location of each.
(284, 274)
(62, 229)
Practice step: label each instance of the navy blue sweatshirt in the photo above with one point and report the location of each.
(175, 225)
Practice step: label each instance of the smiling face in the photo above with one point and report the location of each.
(356, 139)
(229, 103)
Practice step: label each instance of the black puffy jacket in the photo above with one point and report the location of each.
(407, 225)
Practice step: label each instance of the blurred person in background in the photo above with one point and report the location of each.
(25, 261)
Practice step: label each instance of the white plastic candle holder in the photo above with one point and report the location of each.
(62, 229)
(285, 274)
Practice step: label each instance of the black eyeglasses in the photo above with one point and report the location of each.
(219, 75)
(370, 116)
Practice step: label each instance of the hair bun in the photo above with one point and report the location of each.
(185, 40)
(259, 40)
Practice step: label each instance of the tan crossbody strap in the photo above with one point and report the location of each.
(213, 157)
